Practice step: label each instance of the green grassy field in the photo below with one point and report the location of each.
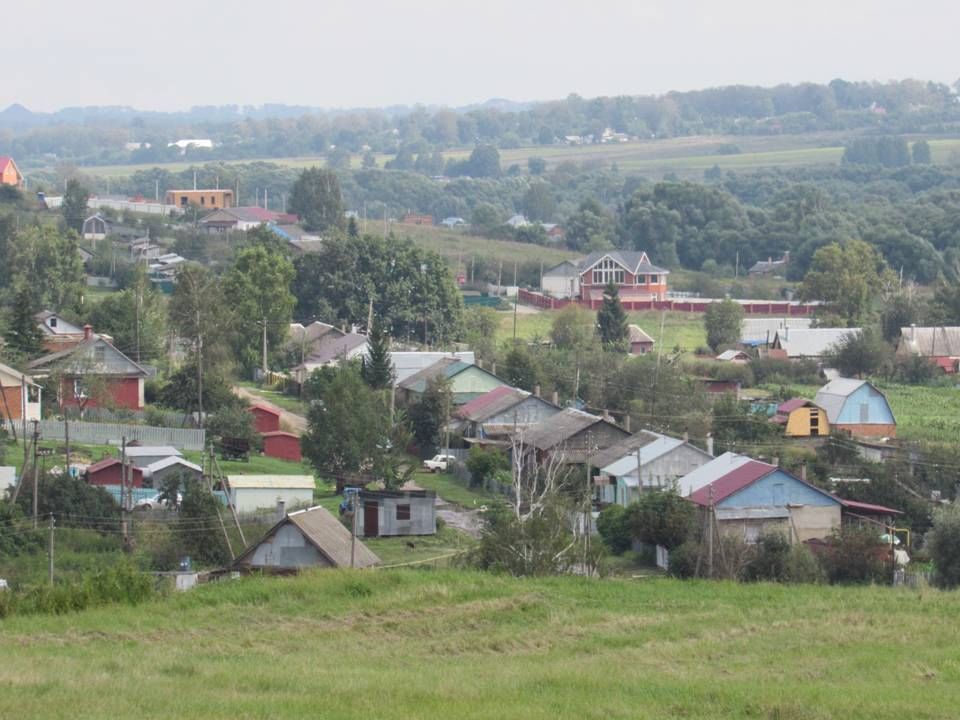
(456, 644)
(686, 156)
(454, 491)
(458, 247)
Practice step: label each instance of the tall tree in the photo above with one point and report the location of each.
(539, 204)
(317, 199)
(612, 320)
(257, 288)
(135, 318)
(722, 322)
(74, 207)
(920, 153)
(848, 277)
(377, 369)
(861, 353)
(22, 334)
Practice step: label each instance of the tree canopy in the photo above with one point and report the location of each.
(317, 199)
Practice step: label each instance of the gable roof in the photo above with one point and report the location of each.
(705, 474)
(17, 376)
(811, 342)
(86, 348)
(445, 367)
(633, 261)
(492, 403)
(331, 347)
(110, 462)
(559, 428)
(136, 451)
(241, 214)
(931, 341)
(732, 355)
(834, 394)
(794, 404)
(567, 268)
(730, 482)
(759, 331)
(263, 407)
(636, 334)
(169, 461)
(271, 482)
(63, 327)
(627, 446)
(325, 533)
(6, 160)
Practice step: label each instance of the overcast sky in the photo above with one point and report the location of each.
(350, 53)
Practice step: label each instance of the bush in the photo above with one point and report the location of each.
(855, 556)
(614, 529)
(943, 544)
(770, 560)
(661, 517)
(484, 464)
(683, 560)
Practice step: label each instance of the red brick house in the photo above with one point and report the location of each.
(283, 445)
(636, 278)
(93, 374)
(108, 472)
(640, 342)
(265, 418)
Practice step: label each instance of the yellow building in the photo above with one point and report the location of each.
(802, 418)
(205, 199)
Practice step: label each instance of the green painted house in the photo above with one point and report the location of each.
(467, 381)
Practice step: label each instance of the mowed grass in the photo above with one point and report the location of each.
(458, 644)
(685, 156)
(680, 329)
(459, 248)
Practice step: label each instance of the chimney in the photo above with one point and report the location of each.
(493, 368)
(626, 423)
(710, 444)
(803, 471)
(536, 390)
(606, 415)
(281, 509)
(87, 331)
(480, 363)
(913, 332)
(686, 436)
(555, 398)
(775, 461)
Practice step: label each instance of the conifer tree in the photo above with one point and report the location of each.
(377, 369)
(612, 319)
(22, 333)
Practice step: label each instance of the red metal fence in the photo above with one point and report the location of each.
(697, 305)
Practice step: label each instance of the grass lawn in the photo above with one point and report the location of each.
(458, 644)
(287, 402)
(457, 246)
(454, 491)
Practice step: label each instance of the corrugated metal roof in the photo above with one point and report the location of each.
(135, 451)
(491, 403)
(811, 342)
(92, 367)
(330, 347)
(793, 404)
(628, 446)
(931, 341)
(705, 474)
(168, 461)
(286, 482)
(834, 394)
(559, 428)
(754, 513)
(636, 334)
(730, 482)
(732, 355)
(868, 507)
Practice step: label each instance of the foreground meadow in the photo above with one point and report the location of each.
(456, 644)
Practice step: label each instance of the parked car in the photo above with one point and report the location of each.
(439, 463)
(149, 503)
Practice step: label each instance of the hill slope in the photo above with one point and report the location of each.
(449, 644)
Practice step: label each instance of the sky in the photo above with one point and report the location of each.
(175, 54)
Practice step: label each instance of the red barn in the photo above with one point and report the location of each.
(283, 445)
(265, 418)
(107, 472)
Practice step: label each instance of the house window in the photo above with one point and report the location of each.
(99, 354)
(403, 512)
(864, 412)
(203, 200)
(607, 271)
(33, 394)
(751, 534)
(53, 322)
(213, 200)
(183, 201)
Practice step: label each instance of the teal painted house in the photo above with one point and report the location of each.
(857, 407)
(467, 381)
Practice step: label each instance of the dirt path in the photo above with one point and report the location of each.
(467, 521)
(296, 423)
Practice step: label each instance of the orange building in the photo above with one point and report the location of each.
(19, 396)
(206, 199)
(9, 172)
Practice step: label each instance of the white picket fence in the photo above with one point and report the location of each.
(88, 433)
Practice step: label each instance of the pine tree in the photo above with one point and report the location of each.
(612, 320)
(377, 369)
(22, 334)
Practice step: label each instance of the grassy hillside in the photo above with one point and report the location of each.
(452, 644)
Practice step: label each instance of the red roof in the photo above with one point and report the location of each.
(265, 408)
(102, 465)
(279, 433)
(734, 481)
(4, 161)
(868, 507)
(480, 402)
(790, 405)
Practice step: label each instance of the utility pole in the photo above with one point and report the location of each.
(710, 536)
(66, 439)
(264, 368)
(36, 432)
(353, 535)
(124, 524)
(516, 300)
(50, 549)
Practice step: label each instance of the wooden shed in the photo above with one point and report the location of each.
(802, 418)
(387, 513)
(311, 538)
(283, 445)
(265, 418)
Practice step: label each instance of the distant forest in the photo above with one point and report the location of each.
(92, 136)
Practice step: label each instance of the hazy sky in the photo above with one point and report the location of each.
(336, 53)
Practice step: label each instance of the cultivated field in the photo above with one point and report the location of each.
(686, 156)
(456, 644)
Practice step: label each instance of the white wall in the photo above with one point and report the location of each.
(250, 499)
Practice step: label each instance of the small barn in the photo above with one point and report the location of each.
(802, 418)
(734, 356)
(283, 445)
(387, 513)
(640, 342)
(562, 281)
(857, 407)
(108, 472)
(265, 418)
(142, 456)
(311, 538)
(156, 473)
(255, 492)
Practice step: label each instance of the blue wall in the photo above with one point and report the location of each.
(878, 411)
(777, 489)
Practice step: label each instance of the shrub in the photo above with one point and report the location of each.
(943, 544)
(661, 517)
(683, 560)
(483, 464)
(770, 560)
(855, 556)
(614, 529)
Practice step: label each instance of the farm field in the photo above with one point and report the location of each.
(448, 643)
(686, 156)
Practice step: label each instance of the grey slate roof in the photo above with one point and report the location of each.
(763, 330)
(567, 268)
(931, 341)
(633, 260)
(834, 394)
(811, 342)
(116, 364)
(624, 447)
(559, 428)
(638, 335)
(330, 347)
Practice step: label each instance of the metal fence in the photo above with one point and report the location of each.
(87, 433)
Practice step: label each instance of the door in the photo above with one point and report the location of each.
(371, 518)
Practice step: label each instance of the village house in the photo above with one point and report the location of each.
(410, 362)
(802, 418)
(238, 219)
(158, 472)
(304, 339)
(93, 374)
(58, 333)
(770, 266)
(283, 445)
(941, 345)
(388, 513)
(142, 456)
(19, 396)
(569, 437)
(661, 460)
(857, 407)
(416, 219)
(561, 281)
(255, 492)
(330, 349)
(809, 343)
(9, 172)
(467, 381)
(500, 413)
(635, 277)
(640, 342)
(205, 199)
(95, 227)
(738, 357)
(265, 417)
(109, 471)
(310, 538)
(750, 498)
(760, 332)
